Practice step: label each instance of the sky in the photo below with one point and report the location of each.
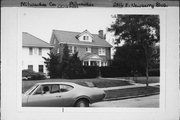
(41, 21)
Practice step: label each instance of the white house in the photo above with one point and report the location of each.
(33, 51)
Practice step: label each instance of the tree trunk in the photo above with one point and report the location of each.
(147, 66)
(147, 76)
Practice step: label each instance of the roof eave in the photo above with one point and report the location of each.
(38, 46)
(109, 46)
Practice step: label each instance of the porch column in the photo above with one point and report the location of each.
(83, 63)
(100, 63)
(105, 63)
(89, 62)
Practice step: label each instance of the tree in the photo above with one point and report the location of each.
(141, 30)
(74, 69)
(57, 62)
(53, 65)
(65, 60)
(129, 58)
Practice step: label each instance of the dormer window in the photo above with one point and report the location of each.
(85, 37)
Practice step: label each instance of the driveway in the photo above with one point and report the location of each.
(148, 102)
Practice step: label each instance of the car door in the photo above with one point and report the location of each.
(67, 95)
(50, 99)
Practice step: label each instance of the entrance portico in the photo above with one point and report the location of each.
(94, 60)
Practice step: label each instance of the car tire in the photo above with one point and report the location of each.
(82, 103)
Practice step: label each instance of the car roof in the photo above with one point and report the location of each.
(45, 83)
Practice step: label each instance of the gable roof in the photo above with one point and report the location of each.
(29, 40)
(69, 37)
(86, 31)
(90, 56)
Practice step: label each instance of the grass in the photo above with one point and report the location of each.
(130, 92)
(142, 80)
(100, 83)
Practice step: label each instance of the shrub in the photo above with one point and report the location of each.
(154, 72)
(109, 71)
(91, 71)
(32, 75)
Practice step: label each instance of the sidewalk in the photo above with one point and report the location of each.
(129, 86)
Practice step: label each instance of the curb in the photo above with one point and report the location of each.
(129, 97)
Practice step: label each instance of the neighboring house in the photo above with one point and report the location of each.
(92, 49)
(33, 49)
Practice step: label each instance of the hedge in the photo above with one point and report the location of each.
(91, 71)
(109, 71)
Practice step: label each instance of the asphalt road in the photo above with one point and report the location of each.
(147, 102)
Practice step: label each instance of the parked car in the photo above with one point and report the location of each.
(32, 75)
(61, 94)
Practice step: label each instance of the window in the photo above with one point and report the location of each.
(70, 49)
(88, 49)
(38, 91)
(75, 49)
(30, 67)
(41, 69)
(86, 63)
(85, 37)
(30, 51)
(40, 51)
(102, 51)
(55, 89)
(47, 89)
(65, 88)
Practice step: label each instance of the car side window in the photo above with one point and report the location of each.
(38, 91)
(55, 89)
(43, 89)
(65, 88)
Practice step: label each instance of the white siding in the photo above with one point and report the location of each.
(35, 59)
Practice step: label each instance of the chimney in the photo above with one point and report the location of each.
(101, 34)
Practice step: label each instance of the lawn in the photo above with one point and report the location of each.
(122, 93)
(142, 80)
(100, 83)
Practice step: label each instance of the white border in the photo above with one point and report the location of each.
(11, 64)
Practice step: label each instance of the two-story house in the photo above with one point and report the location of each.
(93, 49)
(33, 51)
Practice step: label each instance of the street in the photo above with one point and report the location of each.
(148, 102)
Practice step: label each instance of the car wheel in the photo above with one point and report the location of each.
(82, 103)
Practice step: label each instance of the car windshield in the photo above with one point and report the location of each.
(31, 89)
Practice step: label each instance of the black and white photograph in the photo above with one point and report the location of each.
(81, 59)
(86, 59)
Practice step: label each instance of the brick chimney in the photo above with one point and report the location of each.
(101, 34)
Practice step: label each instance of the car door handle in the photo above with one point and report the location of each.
(58, 96)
